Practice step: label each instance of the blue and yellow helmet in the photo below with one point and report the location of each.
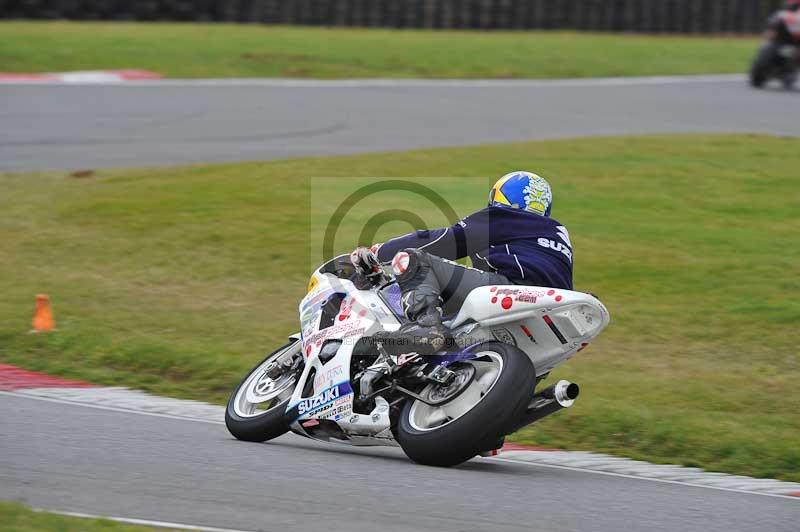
(522, 190)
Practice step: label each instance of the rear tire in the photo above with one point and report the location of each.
(255, 426)
(483, 425)
(762, 66)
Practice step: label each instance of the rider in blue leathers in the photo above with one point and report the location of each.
(512, 241)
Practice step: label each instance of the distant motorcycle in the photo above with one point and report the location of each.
(332, 383)
(779, 57)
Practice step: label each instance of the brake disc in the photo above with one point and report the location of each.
(465, 374)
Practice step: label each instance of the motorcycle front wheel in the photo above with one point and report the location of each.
(454, 431)
(762, 66)
(255, 409)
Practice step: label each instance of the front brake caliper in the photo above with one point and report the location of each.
(277, 367)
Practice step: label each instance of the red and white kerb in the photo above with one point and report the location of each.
(400, 263)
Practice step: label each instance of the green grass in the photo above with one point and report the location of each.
(223, 50)
(18, 518)
(177, 280)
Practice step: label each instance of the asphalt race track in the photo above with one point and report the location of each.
(60, 127)
(68, 457)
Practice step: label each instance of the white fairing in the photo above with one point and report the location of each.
(519, 315)
(362, 313)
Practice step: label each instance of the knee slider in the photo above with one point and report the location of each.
(406, 264)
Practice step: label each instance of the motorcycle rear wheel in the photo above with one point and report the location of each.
(477, 417)
(789, 80)
(256, 407)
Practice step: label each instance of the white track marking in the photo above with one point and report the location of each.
(84, 404)
(145, 522)
(124, 400)
(687, 475)
(400, 83)
(636, 477)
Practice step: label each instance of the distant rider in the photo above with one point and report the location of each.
(785, 23)
(512, 241)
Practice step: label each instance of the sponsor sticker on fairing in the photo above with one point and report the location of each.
(340, 330)
(504, 335)
(332, 374)
(323, 401)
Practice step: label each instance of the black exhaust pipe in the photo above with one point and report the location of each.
(549, 401)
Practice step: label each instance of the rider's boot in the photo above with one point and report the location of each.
(425, 335)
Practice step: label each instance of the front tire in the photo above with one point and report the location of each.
(256, 407)
(762, 66)
(475, 419)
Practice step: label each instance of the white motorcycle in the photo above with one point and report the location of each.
(333, 383)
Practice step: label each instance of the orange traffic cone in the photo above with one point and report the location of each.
(43, 316)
